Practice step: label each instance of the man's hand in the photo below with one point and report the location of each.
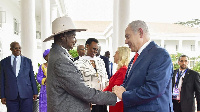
(3, 101)
(118, 90)
(35, 97)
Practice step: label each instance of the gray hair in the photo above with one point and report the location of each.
(135, 25)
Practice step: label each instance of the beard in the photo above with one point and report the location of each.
(183, 66)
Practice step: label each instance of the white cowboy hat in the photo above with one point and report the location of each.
(61, 25)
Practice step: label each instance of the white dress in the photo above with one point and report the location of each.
(93, 78)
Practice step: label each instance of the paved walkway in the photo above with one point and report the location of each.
(2, 108)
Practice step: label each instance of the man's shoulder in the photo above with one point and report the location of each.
(5, 59)
(192, 72)
(26, 58)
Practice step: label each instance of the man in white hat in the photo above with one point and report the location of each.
(66, 91)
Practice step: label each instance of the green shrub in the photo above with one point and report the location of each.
(73, 53)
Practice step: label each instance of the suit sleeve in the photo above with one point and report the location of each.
(70, 79)
(158, 77)
(197, 90)
(32, 78)
(2, 83)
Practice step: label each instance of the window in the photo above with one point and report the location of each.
(176, 47)
(16, 27)
(2, 18)
(192, 48)
(192, 63)
(38, 35)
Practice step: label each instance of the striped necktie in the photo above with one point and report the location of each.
(14, 65)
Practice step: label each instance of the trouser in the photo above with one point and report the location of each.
(20, 105)
(176, 105)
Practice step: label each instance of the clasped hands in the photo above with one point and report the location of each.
(118, 90)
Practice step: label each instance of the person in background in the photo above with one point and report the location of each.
(81, 51)
(106, 62)
(66, 91)
(186, 86)
(107, 54)
(93, 70)
(122, 58)
(148, 82)
(18, 86)
(41, 78)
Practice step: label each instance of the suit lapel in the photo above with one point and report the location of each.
(9, 64)
(187, 74)
(173, 78)
(22, 65)
(140, 57)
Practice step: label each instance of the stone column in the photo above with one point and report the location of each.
(196, 46)
(115, 26)
(180, 46)
(162, 44)
(123, 20)
(28, 30)
(54, 12)
(45, 23)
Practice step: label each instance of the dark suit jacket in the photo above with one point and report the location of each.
(190, 86)
(24, 83)
(106, 61)
(66, 91)
(148, 85)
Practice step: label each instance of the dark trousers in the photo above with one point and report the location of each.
(20, 105)
(176, 105)
(99, 108)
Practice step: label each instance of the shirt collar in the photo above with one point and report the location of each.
(144, 46)
(182, 70)
(89, 58)
(12, 56)
(68, 55)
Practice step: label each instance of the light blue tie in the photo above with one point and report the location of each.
(14, 65)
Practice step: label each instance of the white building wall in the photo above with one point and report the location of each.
(7, 31)
(170, 46)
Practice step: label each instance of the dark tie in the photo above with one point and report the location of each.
(178, 78)
(135, 57)
(14, 65)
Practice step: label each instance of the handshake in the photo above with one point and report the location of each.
(118, 90)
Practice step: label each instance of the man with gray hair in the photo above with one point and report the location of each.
(66, 91)
(148, 82)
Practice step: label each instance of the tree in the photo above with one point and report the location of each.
(197, 65)
(174, 58)
(193, 23)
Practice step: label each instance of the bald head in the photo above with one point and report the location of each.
(81, 50)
